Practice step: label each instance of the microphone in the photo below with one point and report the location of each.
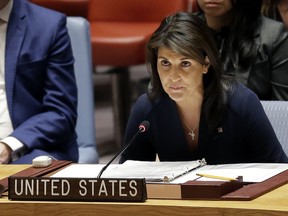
(143, 127)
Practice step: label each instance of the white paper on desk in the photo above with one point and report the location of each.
(82, 171)
(151, 171)
(251, 172)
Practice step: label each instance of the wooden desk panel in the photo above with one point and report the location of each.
(7, 170)
(273, 203)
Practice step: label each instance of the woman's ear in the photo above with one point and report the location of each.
(206, 65)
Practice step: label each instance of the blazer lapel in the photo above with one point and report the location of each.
(15, 35)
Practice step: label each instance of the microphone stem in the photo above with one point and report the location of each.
(120, 152)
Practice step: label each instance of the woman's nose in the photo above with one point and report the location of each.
(174, 75)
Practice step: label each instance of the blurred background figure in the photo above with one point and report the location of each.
(252, 47)
(276, 9)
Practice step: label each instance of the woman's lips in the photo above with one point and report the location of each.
(212, 4)
(176, 87)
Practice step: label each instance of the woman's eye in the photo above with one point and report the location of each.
(165, 63)
(186, 63)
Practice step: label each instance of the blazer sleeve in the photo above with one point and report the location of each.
(274, 37)
(141, 148)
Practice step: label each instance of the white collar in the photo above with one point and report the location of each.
(5, 12)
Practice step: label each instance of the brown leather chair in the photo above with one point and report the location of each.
(120, 30)
(68, 7)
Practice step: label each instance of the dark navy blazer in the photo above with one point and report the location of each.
(40, 83)
(245, 135)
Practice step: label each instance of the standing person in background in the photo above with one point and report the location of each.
(252, 47)
(276, 9)
(38, 93)
(195, 110)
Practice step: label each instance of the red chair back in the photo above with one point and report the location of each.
(68, 7)
(133, 10)
(193, 5)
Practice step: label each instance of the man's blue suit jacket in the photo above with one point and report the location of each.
(40, 83)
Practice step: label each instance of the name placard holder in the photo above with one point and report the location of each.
(77, 189)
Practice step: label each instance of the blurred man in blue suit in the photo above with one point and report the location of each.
(38, 93)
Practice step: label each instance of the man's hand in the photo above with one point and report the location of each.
(5, 153)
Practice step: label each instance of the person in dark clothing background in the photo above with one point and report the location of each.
(252, 47)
